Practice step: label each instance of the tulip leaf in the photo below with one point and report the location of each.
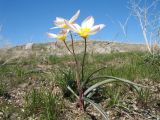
(96, 106)
(94, 72)
(70, 89)
(111, 79)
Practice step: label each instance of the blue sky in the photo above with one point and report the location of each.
(29, 20)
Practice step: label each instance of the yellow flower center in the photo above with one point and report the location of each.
(62, 37)
(64, 26)
(83, 32)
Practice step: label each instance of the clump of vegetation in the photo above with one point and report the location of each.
(153, 59)
(2, 89)
(43, 104)
(143, 96)
(66, 77)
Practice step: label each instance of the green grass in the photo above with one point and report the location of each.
(130, 65)
(2, 88)
(8, 110)
(43, 104)
(64, 77)
(54, 59)
(39, 102)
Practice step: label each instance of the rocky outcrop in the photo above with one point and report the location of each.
(58, 48)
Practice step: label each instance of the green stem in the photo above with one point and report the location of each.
(81, 101)
(77, 64)
(67, 47)
(75, 58)
(72, 42)
(85, 48)
(80, 90)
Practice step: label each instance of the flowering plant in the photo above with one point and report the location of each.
(86, 29)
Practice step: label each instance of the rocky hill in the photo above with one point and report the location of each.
(57, 48)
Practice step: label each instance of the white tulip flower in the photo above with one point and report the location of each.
(61, 36)
(86, 27)
(60, 22)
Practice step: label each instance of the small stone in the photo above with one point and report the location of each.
(22, 110)
(24, 85)
(1, 113)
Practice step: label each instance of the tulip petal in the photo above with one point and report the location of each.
(101, 26)
(96, 28)
(73, 27)
(51, 35)
(77, 27)
(88, 22)
(53, 28)
(59, 19)
(60, 25)
(74, 17)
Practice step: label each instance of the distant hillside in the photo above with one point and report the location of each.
(57, 48)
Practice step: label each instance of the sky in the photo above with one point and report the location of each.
(24, 21)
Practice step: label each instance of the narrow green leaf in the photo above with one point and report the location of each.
(96, 71)
(70, 89)
(111, 79)
(97, 85)
(91, 93)
(116, 78)
(96, 106)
